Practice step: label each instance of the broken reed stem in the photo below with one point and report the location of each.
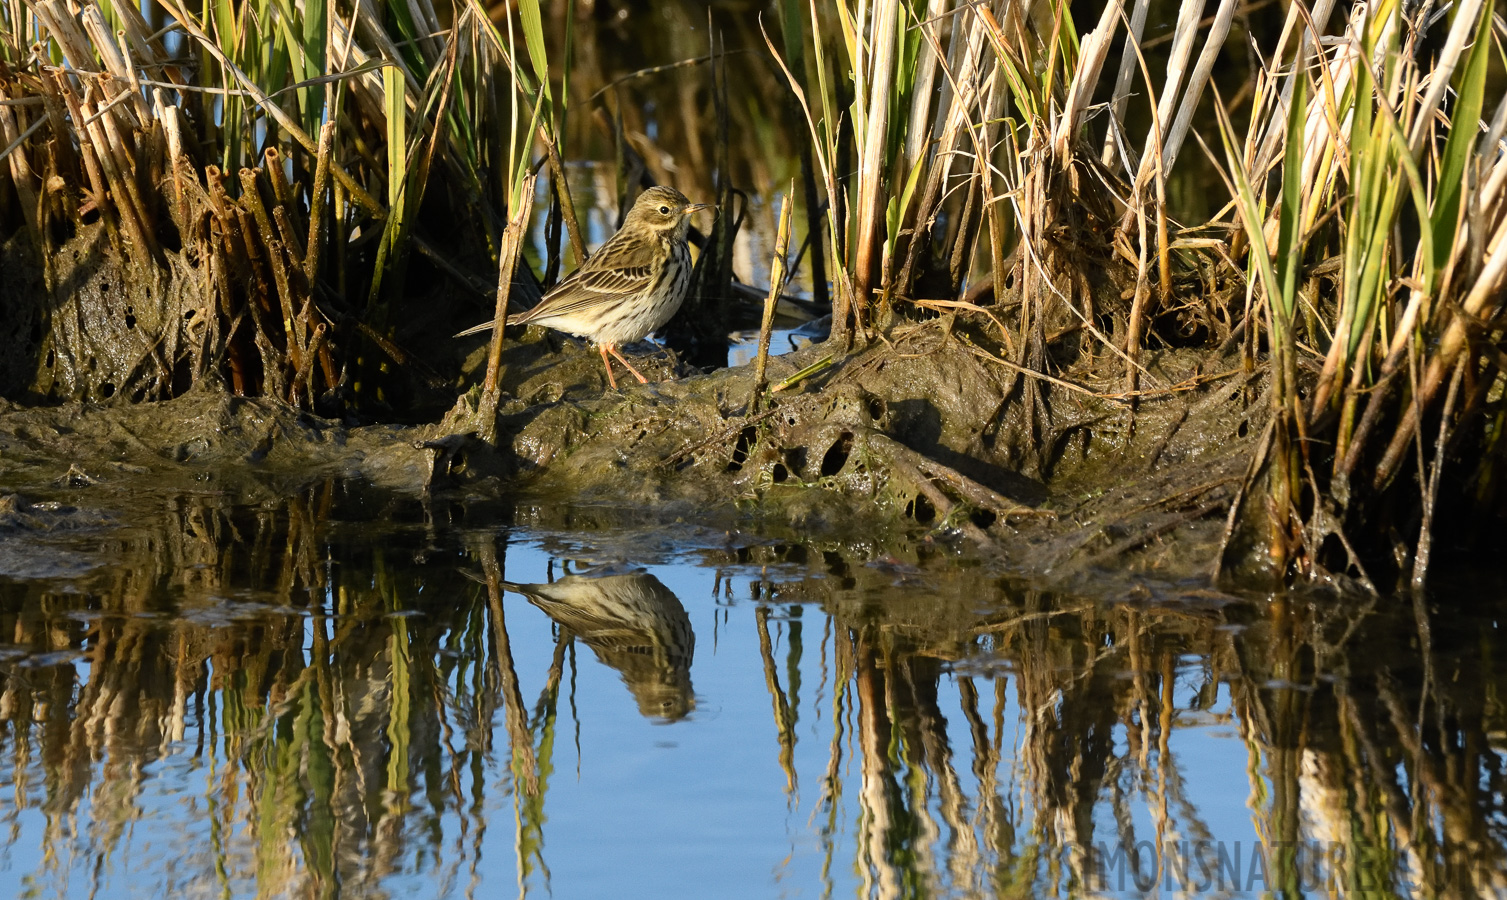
(99, 144)
(507, 265)
(290, 237)
(125, 164)
(303, 382)
(293, 336)
(276, 250)
(777, 273)
(317, 204)
(267, 104)
(282, 192)
(16, 158)
(251, 198)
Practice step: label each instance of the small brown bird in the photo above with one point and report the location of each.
(630, 287)
(636, 625)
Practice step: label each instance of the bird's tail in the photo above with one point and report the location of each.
(477, 329)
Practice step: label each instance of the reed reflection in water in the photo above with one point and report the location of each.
(314, 697)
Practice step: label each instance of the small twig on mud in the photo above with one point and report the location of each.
(726, 434)
(905, 334)
(1118, 397)
(1257, 459)
(970, 490)
(1196, 381)
(803, 374)
(1165, 440)
(945, 507)
(1125, 546)
(1032, 373)
(1183, 495)
(965, 306)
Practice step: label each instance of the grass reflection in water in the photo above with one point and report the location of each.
(332, 696)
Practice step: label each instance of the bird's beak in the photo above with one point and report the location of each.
(697, 206)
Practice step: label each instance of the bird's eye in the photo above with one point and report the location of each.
(664, 210)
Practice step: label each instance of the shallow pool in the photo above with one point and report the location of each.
(342, 693)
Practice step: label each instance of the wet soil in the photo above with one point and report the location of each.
(920, 434)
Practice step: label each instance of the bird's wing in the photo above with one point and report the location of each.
(584, 289)
(589, 287)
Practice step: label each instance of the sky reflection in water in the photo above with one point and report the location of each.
(334, 695)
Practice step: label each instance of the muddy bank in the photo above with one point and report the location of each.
(917, 435)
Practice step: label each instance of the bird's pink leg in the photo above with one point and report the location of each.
(608, 364)
(612, 348)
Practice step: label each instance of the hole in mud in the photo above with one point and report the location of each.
(876, 408)
(130, 317)
(52, 357)
(921, 510)
(837, 454)
(779, 473)
(746, 439)
(169, 236)
(107, 390)
(1332, 553)
(61, 231)
(983, 518)
(795, 459)
(1243, 429)
(798, 554)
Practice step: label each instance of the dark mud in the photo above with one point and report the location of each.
(918, 436)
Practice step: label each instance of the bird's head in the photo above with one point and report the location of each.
(663, 210)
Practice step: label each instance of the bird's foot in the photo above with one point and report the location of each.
(610, 348)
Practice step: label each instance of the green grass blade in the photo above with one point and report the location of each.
(533, 38)
(1458, 147)
(315, 62)
(1290, 234)
(401, 17)
(1252, 216)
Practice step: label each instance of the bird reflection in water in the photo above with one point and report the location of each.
(635, 625)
